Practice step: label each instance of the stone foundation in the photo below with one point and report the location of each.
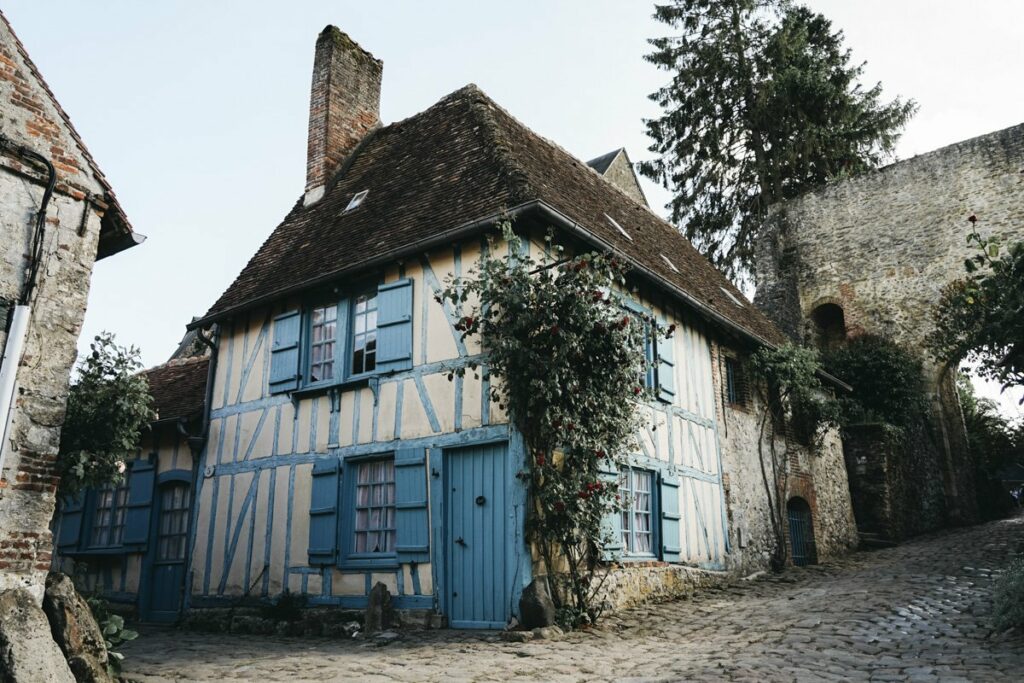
(635, 583)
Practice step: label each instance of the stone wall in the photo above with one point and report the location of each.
(881, 246)
(890, 498)
(816, 475)
(29, 116)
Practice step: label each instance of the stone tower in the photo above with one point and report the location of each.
(871, 254)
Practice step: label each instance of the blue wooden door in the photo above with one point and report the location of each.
(478, 526)
(801, 532)
(167, 582)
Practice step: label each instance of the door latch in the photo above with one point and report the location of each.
(460, 541)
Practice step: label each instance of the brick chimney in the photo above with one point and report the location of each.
(344, 105)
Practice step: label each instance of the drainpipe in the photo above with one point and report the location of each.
(18, 331)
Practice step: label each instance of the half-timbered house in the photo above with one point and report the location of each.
(342, 452)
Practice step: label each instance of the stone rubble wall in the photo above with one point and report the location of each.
(882, 246)
(28, 481)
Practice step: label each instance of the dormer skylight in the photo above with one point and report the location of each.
(670, 264)
(618, 227)
(731, 296)
(356, 200)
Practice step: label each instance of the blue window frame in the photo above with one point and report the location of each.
(364, 333)
(639, 527)
(108, 516)
(369, 530)
(323, 341)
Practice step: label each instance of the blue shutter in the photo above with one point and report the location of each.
(668, 504)
(412, 520)
(642, 315)
(666, 366)
(141, 481)
(394, 326)
(70, 533)
(611, 523)
(284, 353)
(323, 512)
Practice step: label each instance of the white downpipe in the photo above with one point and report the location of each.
(9, 373)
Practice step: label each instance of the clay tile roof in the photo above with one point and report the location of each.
(462, 160)
(178, 387)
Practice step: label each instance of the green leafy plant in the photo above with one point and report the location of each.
(1008, 596)
(791, 395)
(109, 405)
(764, 103)
(995, 442)
(887, 381)
(114, 632)
(981, 316)
(569, 363)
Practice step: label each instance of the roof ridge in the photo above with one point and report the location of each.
(480, 107)
(175, 362)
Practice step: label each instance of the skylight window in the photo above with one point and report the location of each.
(356, 200)
(618, 227)
(670, 264)
(731, 296)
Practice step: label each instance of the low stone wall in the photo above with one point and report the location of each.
(630, 584)
(329, 622)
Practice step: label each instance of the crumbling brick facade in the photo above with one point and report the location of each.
(83, 222)
(872, 254)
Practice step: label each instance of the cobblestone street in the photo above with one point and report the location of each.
(917, 612)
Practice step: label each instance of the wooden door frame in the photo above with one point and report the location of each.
(145, 600)
(515, 537)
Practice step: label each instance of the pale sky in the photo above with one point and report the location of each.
(197, 111)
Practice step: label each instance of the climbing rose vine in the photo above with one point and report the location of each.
(569, 364)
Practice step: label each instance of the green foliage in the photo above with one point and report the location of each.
(763, 104)
(791, 394)
(995, 443)
(887, 381)
(114, 632)
(981, 317)
(1008, 597)
(569, 362)
(108, 407)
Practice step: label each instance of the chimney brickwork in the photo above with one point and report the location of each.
(344, 104)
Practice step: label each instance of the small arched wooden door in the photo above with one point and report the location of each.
(167, 563)
(801, 532)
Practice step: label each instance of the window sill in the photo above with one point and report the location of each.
(321, 389)
(638, 561)
(108, 551)
(386, 562)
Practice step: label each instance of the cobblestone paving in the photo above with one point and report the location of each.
(917, 612)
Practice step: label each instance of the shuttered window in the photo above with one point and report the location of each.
(374, 526)
(637, 515)
(329, 343)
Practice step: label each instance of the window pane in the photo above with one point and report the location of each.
(375, 511)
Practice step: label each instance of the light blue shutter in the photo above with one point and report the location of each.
(141, 482)
(70, 533)
(394, 326)
(668, 504)
(666, 366)
(611, 523)
(412, 539)
(642, 316)
(284, 353)
(323, 512)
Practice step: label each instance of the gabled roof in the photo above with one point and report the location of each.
(456, 165)
(178, 388)
(116, 232)
(601, 163)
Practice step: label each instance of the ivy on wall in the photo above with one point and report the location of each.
(570, 364)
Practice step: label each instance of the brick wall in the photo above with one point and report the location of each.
(28, 482)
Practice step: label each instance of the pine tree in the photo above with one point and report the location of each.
(763, 105)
